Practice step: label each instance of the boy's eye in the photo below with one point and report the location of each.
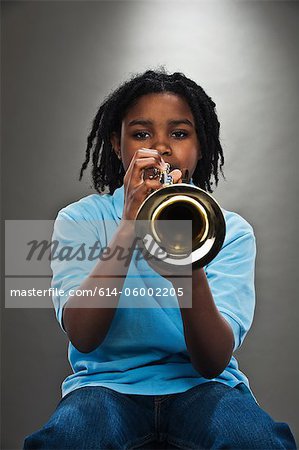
(179, 134)
(141, 135)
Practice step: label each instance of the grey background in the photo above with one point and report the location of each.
(59, 60)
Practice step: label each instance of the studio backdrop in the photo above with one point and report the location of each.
(58, 61)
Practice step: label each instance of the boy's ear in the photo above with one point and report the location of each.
(200, 155)
(115, 142)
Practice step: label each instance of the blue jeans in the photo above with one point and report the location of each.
(209, 416)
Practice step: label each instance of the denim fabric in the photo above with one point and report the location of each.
(208, 416)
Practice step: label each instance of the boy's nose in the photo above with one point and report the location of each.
(163, 149)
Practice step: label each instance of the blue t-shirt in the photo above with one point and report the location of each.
(144, 351)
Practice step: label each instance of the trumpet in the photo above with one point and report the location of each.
(177, 248)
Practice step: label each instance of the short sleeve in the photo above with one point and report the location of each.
(231, 280)
(72, 239)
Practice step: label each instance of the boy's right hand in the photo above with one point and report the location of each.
(136, 188)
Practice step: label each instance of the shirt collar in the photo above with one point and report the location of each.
(118, 199)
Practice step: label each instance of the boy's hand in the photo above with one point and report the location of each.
(136, 187)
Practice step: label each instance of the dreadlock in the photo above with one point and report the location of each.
(107, 169)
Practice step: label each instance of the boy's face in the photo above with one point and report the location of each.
(164, 122)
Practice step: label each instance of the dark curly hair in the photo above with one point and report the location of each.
(107, 169)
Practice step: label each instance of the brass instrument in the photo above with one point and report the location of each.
(177, 202)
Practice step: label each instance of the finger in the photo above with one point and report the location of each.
(142, 191)
(138, 167)
(176, 175)
(143, 153)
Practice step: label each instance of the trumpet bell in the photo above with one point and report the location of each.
(177, 202)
